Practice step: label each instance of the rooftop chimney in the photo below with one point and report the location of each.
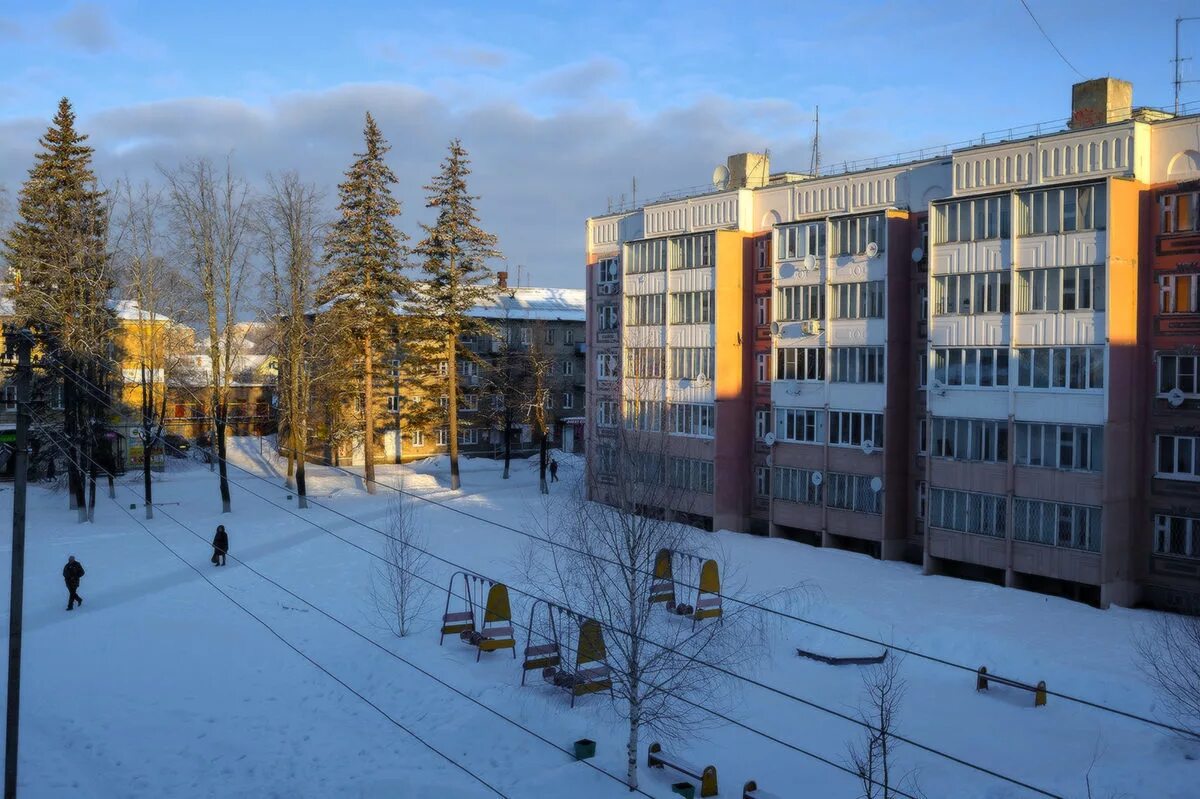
(748, 170)
(1099, 102)
(502, 280)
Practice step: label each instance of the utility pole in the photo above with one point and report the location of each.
(635, 192)
(814, 164)
(1179, 81)
(22, 342)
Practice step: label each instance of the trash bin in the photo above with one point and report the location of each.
(584, 749)
(684, 789)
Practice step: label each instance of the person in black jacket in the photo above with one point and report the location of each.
(553, 471)
(220, 546)
(72, 574)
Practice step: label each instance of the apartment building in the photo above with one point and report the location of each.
(984, 361)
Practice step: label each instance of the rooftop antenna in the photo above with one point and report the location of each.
(634, 202)
(814, 166)
(1179, 81)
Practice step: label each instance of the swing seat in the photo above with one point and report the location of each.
(663, 591)
(493, 638)
(707, 608)
(457, 623)
(589, 681)
(540, 657)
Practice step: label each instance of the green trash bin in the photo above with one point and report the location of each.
(585, 748)
(684, 789)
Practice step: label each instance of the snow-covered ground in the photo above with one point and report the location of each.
(160, 686)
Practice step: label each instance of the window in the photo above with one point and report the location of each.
(443, 436)
(444, 401)
(970, 440)
(1059, 446)
(1073, 368)
(853, 492)
(971, 367)
(468, 435)
(762, 423)
(794, 303)
(856, 364)
(649, 362)
(797, 241)
(418, 438)
(921, 505)
(526, 337)
(470, 402)
(971, 220)
(968, 512)
(858, 300)
(1178, 457)
(646, 256)
(549, 335)
(762, 367)
(1179, 293)
(692, 308)
(694, 251)
(393, 403)
(851, 236)
(568, 368)
(692, 419)
(762, 310)
(762, 481)
(691, 362)
(796, 485)
(1180, 212)
(690, 474)
(10, 398)
(1177, 535)
(606, 366)
(568, 400)
(568, 337)
(443, 368)
(798, 424)
(1076, 288)
(644, 415)
(547, 400)
(645, 309)
(922, 441)
(468, 368)
(1061, 210)
(606, 460)
(761, 251)
(799, 363)
(606, 413)
(1057, 524)
(1178, 371)
(393, 368)
(852, 428)
(974, 292)
(607, 314)
(608, 270)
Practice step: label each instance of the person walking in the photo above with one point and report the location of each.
(72, 574)
(220, 546)
(553, 471)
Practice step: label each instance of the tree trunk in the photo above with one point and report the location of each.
(452, 409)
(507, 440)
(631, 748)
(542, 452)
(369, 413)
(226, 506)
(298, 451)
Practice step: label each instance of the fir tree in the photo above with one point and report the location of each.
(60, 273)
(455, 251)
(365, 253)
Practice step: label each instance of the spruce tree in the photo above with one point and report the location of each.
(61, 279)
(455, 252)
(365, 253)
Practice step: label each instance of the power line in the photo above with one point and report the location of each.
(1052, 44)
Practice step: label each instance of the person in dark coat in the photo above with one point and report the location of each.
(220, 546)
(553, 471)
(72, 574)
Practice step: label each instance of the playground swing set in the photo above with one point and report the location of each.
(674, 571)
(485, 618)
(583, 670)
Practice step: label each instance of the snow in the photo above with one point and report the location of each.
(159, 686)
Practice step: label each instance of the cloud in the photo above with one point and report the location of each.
(482, 57)
(87, 27)
(10, 30)
(580, 79)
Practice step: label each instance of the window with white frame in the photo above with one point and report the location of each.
(858, 300)
(971, 220)
(443, 436)
(985, 367)
(1073, 368)
(853, 492)
(694, 251)
(851, 236)
(468, 435)
(1073, 288)
(1179, 294)
(762, 481)
(972, 293)
(762, 367)
(800, 363)
(691, 474)
(568, 400)
(691, 307)
(922, 441)
(692, 419)
(393, 368)
(443, 368)
(468, 368)
(923, 370)
(1178, 536)
(1058, 446)
(1178, 457)
(606, 460)
(526, 336)
(1180, 212)
(691, 362)
(799, 424)
(1057, 524)
(970, 440)
(796, 485)
(762, 249)
(646, 256)
(547, 399)
(762, 310)
(608, 270)
(644, 415)
(444, 401)
(470, 402)
(606, 366)
(393, 404)
(1178, 372)
(606, 413)
(762, 423)
(568, 337)
(607, 316)
(648, 362)
(418, 438)
(549, 335)
(852, 428)
(856, 364)
(1062, 210)
(799, 240)
(645, 309)
(568, 368)
(968, 512)
(795, 303)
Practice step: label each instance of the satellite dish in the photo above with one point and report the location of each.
(776, 328)
(787, 270)
(872, 249)
(769, 439)
(868, 446)
(1175, 397)
(702, 379)
(917, 255)
(720, 177)
(817, 478)
(810, 262)
(876, 484)
(770, 460)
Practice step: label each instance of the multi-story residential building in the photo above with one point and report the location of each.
(947, 360)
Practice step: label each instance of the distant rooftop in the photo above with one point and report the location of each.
(557, 305)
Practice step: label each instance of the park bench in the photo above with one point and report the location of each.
(752, 791)
(707, 776)
(982, 680)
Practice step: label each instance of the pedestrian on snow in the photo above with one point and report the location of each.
(72, 574)
(553, 471)
(220, 546)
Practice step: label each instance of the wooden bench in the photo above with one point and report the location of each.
(657, 758)
(752, 791)
(1039, 691)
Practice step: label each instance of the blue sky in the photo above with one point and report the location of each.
(560, 104)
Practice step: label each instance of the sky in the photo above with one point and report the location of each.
(560, 104)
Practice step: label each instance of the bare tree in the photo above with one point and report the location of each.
(873, 756)
(1168, 652)
(212, 217)
(398, 594)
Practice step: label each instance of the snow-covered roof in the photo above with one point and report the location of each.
(560, 305)
(130, 311)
